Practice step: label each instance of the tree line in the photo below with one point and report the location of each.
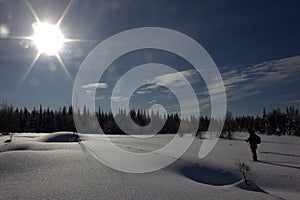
(280, 122)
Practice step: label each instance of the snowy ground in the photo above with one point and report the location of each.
(48, 166)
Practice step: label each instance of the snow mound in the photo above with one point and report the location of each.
(25, 142)
(60, 137)
(15, 147)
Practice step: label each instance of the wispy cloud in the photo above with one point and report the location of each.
(99, 98)
(250, 80)
(243, 82)
(293, 101)
(152, 101)
(143, 92)
(119, 98)
(175, 79)
(90, 90)
(95, 85)
(240, 83)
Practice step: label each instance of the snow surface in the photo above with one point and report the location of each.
(32, 168)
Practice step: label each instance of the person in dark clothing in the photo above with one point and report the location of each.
(253, 140)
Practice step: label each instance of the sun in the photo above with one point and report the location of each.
(48, 38)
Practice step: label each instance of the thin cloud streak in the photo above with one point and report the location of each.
(119, 98)
(174, 79)
(293, 101)
(252, 80)
(95, 86)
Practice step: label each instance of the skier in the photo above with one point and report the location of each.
(253, 140)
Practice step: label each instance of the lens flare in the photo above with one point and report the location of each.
(4, 30)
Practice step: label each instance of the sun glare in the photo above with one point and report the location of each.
(48, 38)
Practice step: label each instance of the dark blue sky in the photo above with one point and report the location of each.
(255, 45)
